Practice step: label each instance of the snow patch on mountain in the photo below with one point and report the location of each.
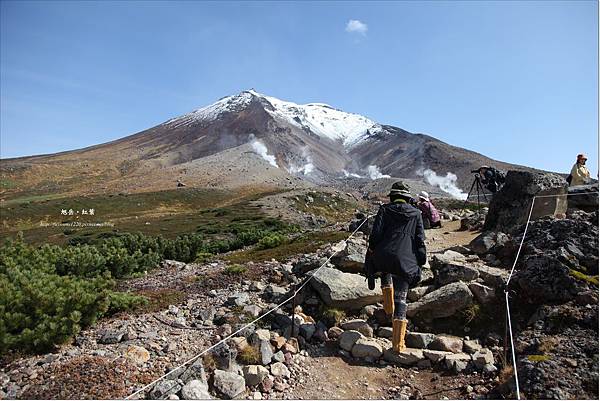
(319, 118)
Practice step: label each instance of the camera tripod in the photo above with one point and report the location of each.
(478, 186)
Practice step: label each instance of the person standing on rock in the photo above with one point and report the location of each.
(431, 216)
(580, 175)
(397, 252)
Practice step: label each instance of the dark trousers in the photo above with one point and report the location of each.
(400, 292)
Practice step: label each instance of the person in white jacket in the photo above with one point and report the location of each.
(580, 175)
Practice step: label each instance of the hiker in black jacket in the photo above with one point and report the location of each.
(397, 252)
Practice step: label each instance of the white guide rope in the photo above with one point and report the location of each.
(252, 322)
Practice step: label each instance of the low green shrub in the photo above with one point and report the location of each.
(271, 241)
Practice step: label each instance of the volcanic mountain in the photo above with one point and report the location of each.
(245, 140)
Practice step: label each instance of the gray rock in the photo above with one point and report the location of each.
(483, 357)
(238, 299)
(457, 362)
(408, 357)
(418, 340)
(194, 372)
(307, 330)
(493, 276)
(351, 258)
(255, 374)
(483, 293)
(489, 368)
(385, 332)
(180, 322)
(164, 388)
(365, 348)
(359, 325)
(195, 390)
(229, 384)
(344, 290)
(278, 369)
(278, 356)
(334, 332)
(414, 294)
(206, 314)
(436, 356)
(109, 336)
(443, 302)
(471, 346)
(275, 292)
(253, 310)
(348, 338)
(447, 343)
(266, 352)
(489, 241)
(260, 335)
(439, 260)
(455, 271)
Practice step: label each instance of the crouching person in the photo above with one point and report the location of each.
(431, 216)
(397, 252)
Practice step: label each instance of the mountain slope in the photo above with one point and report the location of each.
(283, 145)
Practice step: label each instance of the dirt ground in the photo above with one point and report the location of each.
(333, 377)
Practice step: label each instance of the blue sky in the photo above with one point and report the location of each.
(516, 81)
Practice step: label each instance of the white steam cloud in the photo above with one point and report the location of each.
(446, 184)
(374, 173)
(262, 151)
(347, 174)
(308, 166)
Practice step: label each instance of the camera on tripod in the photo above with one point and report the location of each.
(485, 177)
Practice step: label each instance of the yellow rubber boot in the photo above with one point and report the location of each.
(398, 333)
(388, 299)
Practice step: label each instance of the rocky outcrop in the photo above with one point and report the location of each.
(509, 208)
(584, 197)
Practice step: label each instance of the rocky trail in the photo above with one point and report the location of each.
(338, 344)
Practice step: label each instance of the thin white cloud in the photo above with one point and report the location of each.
(356, 26)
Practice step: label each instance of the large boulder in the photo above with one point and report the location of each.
(509, 208)
(344, 290)
(352, 257)
(443, 302)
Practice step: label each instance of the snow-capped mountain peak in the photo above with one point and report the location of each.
(321, 119)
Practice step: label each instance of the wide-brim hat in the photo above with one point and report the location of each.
(399, 192)
(400, 189)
